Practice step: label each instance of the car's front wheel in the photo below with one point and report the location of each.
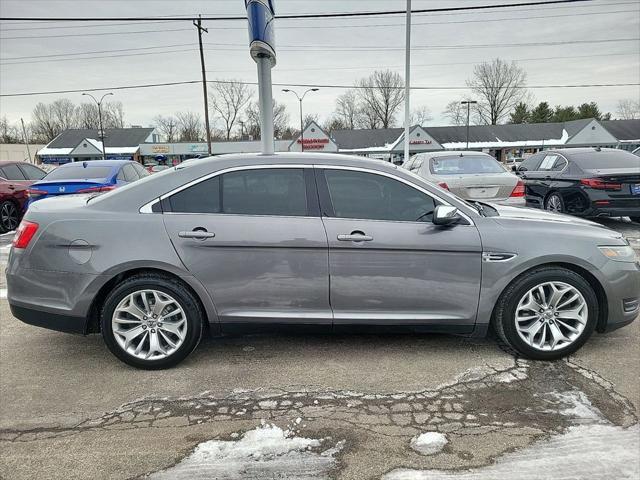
(546, 313)
(151, 321)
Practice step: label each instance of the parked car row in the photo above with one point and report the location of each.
(22, 183)
(589, 182)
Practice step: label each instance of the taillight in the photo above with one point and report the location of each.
(443, 185)
(518, 190)
(35, 193)
(105, 188)
(599, 184)
(24, 233)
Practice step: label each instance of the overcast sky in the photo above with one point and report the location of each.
(324, 51)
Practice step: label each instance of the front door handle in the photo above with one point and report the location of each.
(355, 237)
(197, 234)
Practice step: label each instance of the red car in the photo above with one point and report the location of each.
(15, 179)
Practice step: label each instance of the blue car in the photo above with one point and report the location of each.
(86, 177)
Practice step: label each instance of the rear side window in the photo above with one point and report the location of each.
(376, 197)
(31, 172)
(12, 172)
(140, 170)
(269, 191)
(552, 162)
(277, 191)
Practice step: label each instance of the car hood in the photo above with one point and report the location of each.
(505, 211)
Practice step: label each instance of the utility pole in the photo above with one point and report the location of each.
(26, 140)
(101, 132)
(300, 98)
(407, 82)
(468, 103)
(198, 25)
(241, 122)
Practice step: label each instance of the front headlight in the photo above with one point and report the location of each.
(619, 253)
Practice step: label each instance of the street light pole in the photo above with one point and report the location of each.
(300, 98)
(468, 103)
(101, 133)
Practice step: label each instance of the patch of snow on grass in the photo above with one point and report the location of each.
(595, 451)
(265, 452)
(429, 443)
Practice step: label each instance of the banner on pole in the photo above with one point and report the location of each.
(260, 14)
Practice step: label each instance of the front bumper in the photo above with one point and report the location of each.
(622, 289)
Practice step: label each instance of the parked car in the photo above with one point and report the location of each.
(15, 179)
(323, 240)
(636, 152)
(589, 182)
(470, 175)
(94, 176)
(510, 163)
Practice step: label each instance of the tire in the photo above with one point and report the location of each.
(9, 216)
(175, 339)
(554, 203)
(506, 325)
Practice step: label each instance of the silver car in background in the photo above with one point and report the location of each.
(315, 240)
(474, 176)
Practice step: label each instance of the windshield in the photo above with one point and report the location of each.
(78, 172)
(457, 165)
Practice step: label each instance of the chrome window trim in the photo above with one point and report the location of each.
(147, 208)
(394, 177)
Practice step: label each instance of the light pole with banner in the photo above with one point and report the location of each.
(260, 16)
(300, 98)
(468, 103)
(101, 135)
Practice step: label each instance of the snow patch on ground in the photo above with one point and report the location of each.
(595, 451)
(3, 293)
(429, 443)
(265, 452)
(577, 406)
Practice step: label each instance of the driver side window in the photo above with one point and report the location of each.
(370, 196)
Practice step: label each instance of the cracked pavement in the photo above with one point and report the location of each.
(69, 410)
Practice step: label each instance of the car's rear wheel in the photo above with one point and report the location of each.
(151, 321)
(554, 203)
(546, 313)
(9, 216)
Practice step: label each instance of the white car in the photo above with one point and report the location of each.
(469, 175)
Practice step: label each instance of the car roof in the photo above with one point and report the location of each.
(100, 163)
(453, 153)
(11, 162)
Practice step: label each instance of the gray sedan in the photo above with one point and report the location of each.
(318, 240)
(470, 175)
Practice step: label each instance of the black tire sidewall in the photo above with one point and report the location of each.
(179, 293)
(3, 229)
(522, 285)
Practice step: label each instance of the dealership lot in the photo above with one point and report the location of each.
(351, 405)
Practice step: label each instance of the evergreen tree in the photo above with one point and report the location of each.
(520, 114)
(541, 114)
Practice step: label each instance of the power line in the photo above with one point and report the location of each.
(321, 27)
(301, 85)
(307, 48)
(297, 16)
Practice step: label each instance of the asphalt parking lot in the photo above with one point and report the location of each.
(348, 407)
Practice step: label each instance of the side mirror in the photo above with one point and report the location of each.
(445, 215)
(514, 168)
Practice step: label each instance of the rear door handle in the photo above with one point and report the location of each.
(197, 234)
(355, 237)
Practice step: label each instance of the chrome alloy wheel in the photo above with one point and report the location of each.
(551, 316)
(149, 324)
(554, 204)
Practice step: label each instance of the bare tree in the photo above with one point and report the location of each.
(48, 120)
(189, 127)
(380, 95)
(9, 133)
(455, 112)
(280, 119)
(628, 109)
(420, 116)
(499, 87)
(228, 99)
(310, 117)
(167, 127)
(113, 115)
(87, 115)
(348, 111)
(334, 123)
